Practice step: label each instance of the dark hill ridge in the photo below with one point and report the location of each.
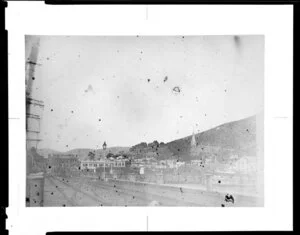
(237, 136)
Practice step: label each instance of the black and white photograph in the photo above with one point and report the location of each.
(127, 121)
(150, 117)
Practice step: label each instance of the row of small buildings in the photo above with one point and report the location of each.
(94, 164)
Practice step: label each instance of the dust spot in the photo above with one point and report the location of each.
(64, 205)
(229, 198)
(166, 78)
(51, 110)
(219, 181)
(99, 119)
(222, 205)
(33, 78)
(148, 80)
(176, 90)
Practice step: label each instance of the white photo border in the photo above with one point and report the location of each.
(274, 22)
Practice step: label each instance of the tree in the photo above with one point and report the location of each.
(109, 155)
(91, 156)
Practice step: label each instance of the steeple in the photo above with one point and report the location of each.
(193, 141)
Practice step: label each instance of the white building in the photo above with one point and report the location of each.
(93, 165)
(246, 165)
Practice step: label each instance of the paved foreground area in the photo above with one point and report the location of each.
(83, 191)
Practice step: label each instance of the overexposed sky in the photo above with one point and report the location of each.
(129, 89)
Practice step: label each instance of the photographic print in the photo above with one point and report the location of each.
(144, 121)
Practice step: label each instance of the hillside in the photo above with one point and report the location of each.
(233, 138)
(238, 136)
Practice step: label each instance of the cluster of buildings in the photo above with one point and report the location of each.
(243, 165)
(156, 164)
(235, 164)
(58, 162)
